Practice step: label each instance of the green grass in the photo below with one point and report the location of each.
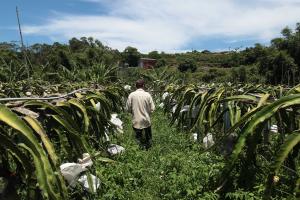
(172, 169)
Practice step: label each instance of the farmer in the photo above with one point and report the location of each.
(140, 105)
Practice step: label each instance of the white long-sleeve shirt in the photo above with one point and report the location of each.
(140, 104)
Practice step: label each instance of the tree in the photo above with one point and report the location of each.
(278, 67)
(205, 51)
(131, 56)
(76, 45)
(286, 32)
(154, 55)
(242, 74)
(252, 55)
(161, 63)
(187, 64)
(239, 74)
(289, 43)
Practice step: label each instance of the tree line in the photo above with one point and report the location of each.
(278, 63)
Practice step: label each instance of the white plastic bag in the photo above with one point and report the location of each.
(161, 105)
(84, 182)
(71, 171)
(98, 106)
(208, 141)
(115, 149)
(195, 137)
(185, 108)
(86, 160)
(165, 95)
(274, 128)
(117, 122)
(127, 87)
(174, 108)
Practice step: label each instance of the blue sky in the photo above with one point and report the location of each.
(163, 25)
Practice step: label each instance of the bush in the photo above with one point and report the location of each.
(216, 74)
(186, 65)
(161, 63)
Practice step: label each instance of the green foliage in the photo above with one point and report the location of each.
(215, 75)
(103, 74)
(244, 111)
(174, 168)
(65, 130)
(154, 55)
(161, 63)
(55, 63)
(131, 56)
(278, 67)
(171, 169)
(252, 55)
(276, 64)
(286, 148)
(186, 65)
(239, 74)
(159, 78)
(242, 195)
(49, 182)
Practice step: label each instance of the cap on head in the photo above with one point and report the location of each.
(140, 83)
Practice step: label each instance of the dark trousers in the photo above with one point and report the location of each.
(146, 141)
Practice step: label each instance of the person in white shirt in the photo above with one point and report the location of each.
(140, 104)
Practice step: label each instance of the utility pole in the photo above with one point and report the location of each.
(23, 50)
(21, 36)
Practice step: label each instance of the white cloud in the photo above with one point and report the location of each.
(171, 24)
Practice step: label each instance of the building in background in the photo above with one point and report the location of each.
(147, 63)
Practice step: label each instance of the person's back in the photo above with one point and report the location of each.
(140, 105)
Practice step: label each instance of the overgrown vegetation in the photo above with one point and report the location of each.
(247, 161)
(275, 64)
(239, 118)
(34, 144)
(172, 169)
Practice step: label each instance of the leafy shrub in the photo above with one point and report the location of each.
(187, 64)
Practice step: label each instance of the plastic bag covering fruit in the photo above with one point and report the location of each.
(127, 87)
(71, 171)
(84, 181)
(195, 137)
(186, 108)
(115, 149)
(165, 95)
(117, 122)
(208, 141)
(161, 105)
(98, 106)
(274, 128)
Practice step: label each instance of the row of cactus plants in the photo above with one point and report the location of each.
(245, 111)
(37, 136)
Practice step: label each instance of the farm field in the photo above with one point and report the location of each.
(223, 76)
(211, 141)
